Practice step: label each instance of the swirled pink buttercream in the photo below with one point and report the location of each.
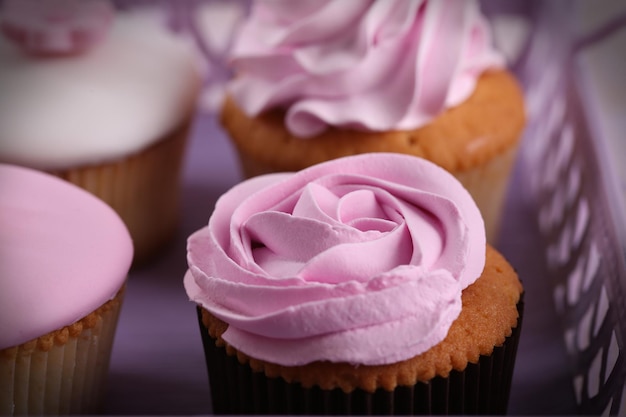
(373, 65)
(361, 259)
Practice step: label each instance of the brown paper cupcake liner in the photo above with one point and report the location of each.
(143, 189)
(482, 388)
(62, 372)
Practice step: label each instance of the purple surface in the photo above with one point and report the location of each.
(158, 367)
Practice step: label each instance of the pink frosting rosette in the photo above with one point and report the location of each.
(374, 65)
(361, 259)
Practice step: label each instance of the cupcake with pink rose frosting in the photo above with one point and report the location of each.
(103, 98)
(64, 260)
(361, 285)
(320, 80)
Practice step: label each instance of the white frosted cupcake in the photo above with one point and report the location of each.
(65, 258)
(104, 100)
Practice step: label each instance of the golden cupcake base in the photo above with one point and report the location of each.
(62, 372)
(470, 371)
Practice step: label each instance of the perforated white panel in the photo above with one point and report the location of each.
(567, 184)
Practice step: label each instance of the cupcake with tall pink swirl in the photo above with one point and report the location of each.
(361, 285)
(320, 80)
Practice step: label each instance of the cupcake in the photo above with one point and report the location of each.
(361, 285)
(104, 99)
(318, 81)
(65, 256)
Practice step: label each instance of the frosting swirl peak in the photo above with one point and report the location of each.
(373, 65)
(361, 259)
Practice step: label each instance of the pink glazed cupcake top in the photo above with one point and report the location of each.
(375, 65)
(63, 253)
(360, 259)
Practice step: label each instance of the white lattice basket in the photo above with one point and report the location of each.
(574, 156)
